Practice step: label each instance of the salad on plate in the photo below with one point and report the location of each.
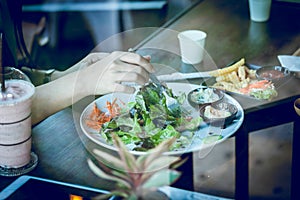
(146, 121)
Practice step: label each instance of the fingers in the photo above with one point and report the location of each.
(93, 58)
(116, 82)
(121, 67)
(130, 77)
(148, 57)
(108, 84)
(115, 87)
(139, 60)
(131, 67)
(124, 88)
(134, 70)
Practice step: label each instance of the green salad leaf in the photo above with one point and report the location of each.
(147, 122)
(267, 94)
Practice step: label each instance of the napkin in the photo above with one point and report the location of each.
(290, 62)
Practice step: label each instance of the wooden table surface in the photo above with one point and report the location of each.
(63, 149)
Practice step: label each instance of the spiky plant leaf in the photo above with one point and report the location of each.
(161, 162)
(103, 175)
(141, 160)
(157, 151)
(120, 174)
(178, 163)
(148, 171)
(162, 178)
(126, 156)
(110, 160)
(145, 159)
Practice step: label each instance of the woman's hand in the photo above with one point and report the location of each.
(95, 75)
(107, 74)
(89, 60)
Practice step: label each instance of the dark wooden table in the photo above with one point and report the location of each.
(63, 149)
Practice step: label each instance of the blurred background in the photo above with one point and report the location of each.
(59, 33)
(72, 28)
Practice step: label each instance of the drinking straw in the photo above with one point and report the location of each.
(1, 67)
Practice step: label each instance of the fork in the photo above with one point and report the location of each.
(172, 103)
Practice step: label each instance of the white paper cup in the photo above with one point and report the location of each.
(192, 44)
(260, 10)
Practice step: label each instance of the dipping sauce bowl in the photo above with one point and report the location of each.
(219, 114)
(276, 74)
(204, 96)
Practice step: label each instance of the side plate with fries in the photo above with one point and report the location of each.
(240, 78)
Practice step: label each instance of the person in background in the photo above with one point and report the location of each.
(96, 74)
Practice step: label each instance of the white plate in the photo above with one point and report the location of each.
(177, 88)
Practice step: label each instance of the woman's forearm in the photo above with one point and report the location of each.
(87, 61)
(54, 96)
(59, 93)
(95, 75)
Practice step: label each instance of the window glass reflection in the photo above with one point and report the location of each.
(74, 27)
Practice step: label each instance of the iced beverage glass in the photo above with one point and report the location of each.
(15, 123)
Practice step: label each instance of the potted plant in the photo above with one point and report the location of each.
(136, 177)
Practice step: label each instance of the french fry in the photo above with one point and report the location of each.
(251, 73)
(242, 72)
(234, 77)
(226, 86)
(224, 77)
(243, 83)
(234, 67)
